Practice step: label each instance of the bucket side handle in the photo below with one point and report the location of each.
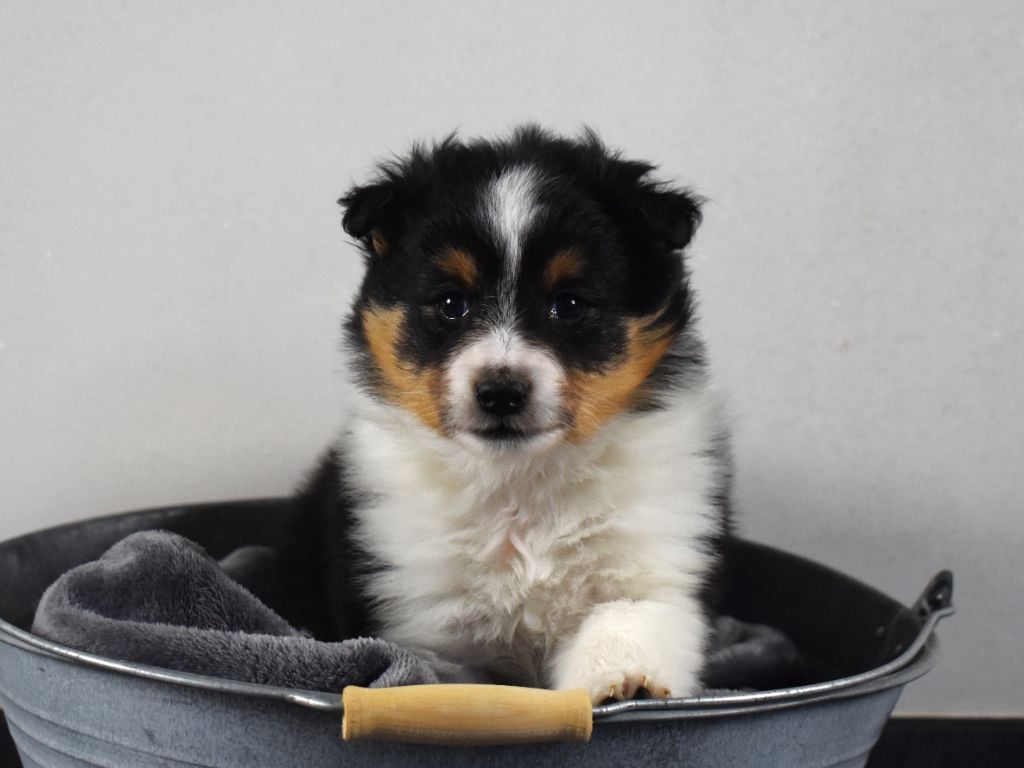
(934, 603)
(937, 597)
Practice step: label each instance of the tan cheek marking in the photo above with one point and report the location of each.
(595, 398)
(418, 391)
(459, 265)
(563, 265)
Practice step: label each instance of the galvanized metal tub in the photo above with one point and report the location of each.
(66, 708)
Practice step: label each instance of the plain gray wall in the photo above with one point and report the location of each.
(172, 268)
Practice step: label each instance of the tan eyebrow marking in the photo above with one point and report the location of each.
(563, 265)
(459, 264)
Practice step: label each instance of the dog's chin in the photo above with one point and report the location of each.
(503, 439)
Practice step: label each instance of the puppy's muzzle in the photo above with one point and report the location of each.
(502, 392)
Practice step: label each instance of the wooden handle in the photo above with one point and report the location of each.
(466, 714)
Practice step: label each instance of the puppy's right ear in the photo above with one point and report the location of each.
(370, 213)
(672, 215)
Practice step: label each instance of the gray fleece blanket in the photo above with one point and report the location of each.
(157, 598)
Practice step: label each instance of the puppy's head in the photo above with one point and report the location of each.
(522, 292)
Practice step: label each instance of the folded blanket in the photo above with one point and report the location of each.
(157, 598)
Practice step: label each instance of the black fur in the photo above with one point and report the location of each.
(327, 565)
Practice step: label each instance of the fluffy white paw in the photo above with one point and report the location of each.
(624, 685)
(625, 646)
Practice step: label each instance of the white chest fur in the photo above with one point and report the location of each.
(496, 560)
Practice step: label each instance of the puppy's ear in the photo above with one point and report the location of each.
(369, 213)
(654, 211)
(672, 216)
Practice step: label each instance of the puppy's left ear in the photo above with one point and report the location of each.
(672, 216)
(369, 213)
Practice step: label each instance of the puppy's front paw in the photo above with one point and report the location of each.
(609, 674)
(624, 685)
(627, 646)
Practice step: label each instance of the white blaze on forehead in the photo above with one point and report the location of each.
(511, 206)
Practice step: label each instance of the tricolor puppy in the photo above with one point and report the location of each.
(531, 485)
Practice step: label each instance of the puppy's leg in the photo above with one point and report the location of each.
(626, 645)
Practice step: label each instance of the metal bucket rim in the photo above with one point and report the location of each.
(920, 658)
(916, 660)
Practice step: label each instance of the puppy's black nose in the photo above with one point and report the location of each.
(502, 392)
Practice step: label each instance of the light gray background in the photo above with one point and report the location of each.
(172, 267)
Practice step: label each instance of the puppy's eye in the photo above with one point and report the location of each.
(453, 305)
(567, 306)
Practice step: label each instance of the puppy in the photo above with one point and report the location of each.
(531, 487)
